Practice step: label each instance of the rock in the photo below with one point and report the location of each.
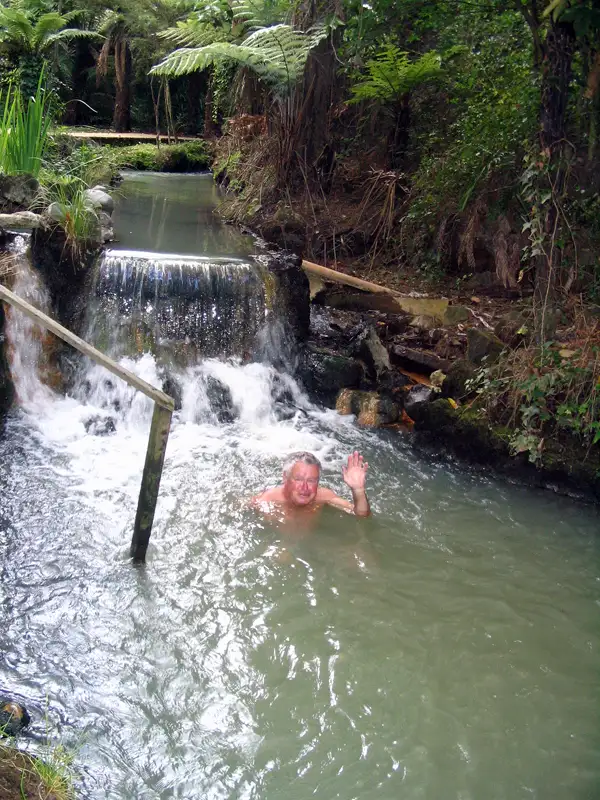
(483, 345)
(416, 397)
(13, 717)
(100, 199)
(106, 231)
(513, 328)
(423, 306)
(437, 378)
(22, 220)
(64, 271)
(393, 384)
(424, 322)
(370, 408)
(219, 399)
(56, 212)
(324, 373)
(7, 391)
(99, 425)
(454, 384)
(172, 387)
(417, 360)
(455, 314)
(291, 299)
(17, 192)
(373, 353)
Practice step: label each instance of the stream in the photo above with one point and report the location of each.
(446, 648)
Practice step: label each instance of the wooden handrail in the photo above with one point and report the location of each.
(159, 429)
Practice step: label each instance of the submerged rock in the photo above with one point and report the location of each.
(99, 425)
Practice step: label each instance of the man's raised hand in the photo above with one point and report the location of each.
(355, 472)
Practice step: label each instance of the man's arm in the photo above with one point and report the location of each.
(355, 475)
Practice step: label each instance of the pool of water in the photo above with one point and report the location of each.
(446, 647)
(174, 214)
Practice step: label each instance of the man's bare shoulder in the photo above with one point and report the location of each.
(272, 495)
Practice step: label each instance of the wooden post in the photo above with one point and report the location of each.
(155, 456)
(159, 429)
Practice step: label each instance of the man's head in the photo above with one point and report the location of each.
(301, 473)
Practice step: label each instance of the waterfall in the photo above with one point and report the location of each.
(27, 357)
(179, 308)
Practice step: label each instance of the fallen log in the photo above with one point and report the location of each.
(21, 220)
(432, 306)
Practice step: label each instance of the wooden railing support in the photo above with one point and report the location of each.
(155, 456)
(159, 429)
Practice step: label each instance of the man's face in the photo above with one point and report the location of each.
(301, 483)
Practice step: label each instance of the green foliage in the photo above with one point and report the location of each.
(277, 54)
(184, 157)
(492, 113)
(72, 209)
(542, 393)
(391, 74)
(24, 130)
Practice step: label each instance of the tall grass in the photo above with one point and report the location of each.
(24, 128)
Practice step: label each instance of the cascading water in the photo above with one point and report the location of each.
(25, 337)
(444, 648)
(177, 304)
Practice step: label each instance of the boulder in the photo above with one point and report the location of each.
(483, 345)
(416, 397)
(455, 314)
(370, 349)
(219, 399)
(513, 328)
(291, 299)
(455, 382)
(100, 199)
(17, 192)
(324, 373)
(370, 408)
(417, 360)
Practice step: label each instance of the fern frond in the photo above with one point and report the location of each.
(255, 14)
(391, 74)
(277, 54)
(193, 33)
(69, 34)
(15, 26)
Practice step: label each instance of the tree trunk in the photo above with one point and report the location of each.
(400, 134)
(210, 127)
(556, 77)
(122, 115)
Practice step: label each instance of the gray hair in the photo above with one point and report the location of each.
(304, 458)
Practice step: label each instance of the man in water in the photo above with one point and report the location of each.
(300, 490)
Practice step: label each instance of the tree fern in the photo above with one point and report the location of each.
(391, 74)
(277, 54)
